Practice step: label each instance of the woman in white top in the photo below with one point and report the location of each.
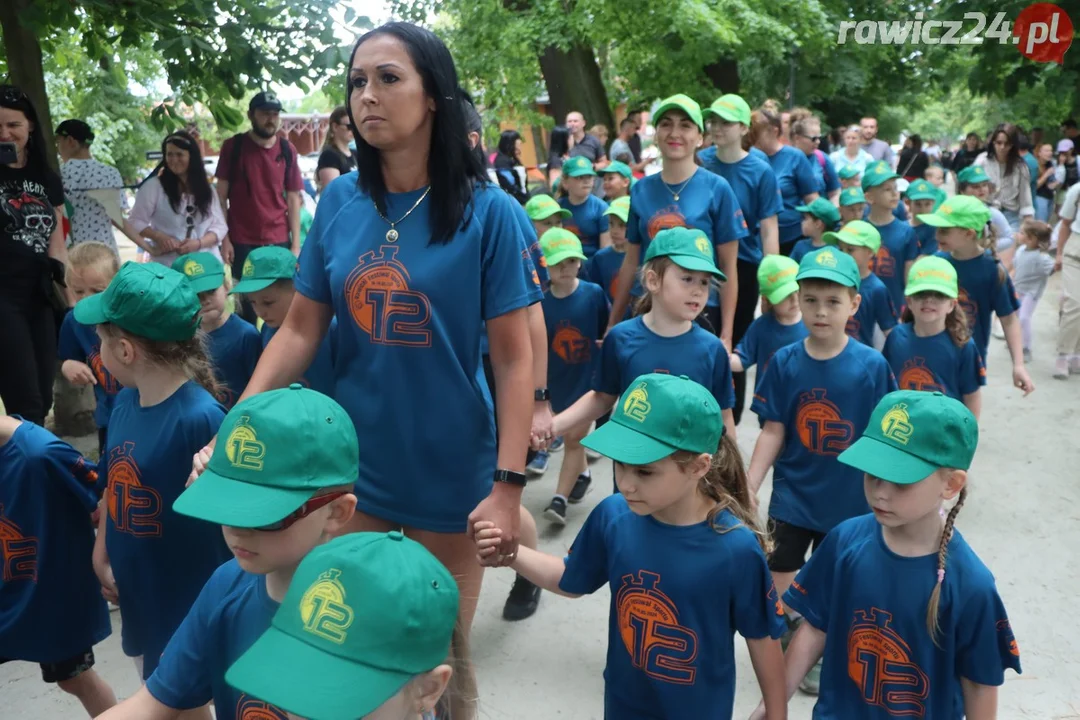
(852, 153)
(178, 212)
(1010, 178)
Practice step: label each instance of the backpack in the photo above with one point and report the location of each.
(234, 161)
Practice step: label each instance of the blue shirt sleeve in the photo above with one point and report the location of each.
(770, 202)
(757, 612)
(728, 222)
(723, 384)
(312, 280)
(911, 247)
(602, 220)
(747, 347)
(972, 369)
(805, 183)
(633, 224)
(768, 397)
(1005, 300)
(985, 644)
(586, 563)
(810, 593)
(607, 375)
(591, 271)
(886, 312)
(503, 284)
(78, 476)
(832, 180)
(68, 347)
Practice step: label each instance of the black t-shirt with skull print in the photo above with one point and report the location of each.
(28, 203)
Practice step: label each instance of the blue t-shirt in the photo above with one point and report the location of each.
(533, 265)
(899, 212)
(51, 607)
(706, 202)
(631, 350)
(825, 178)
(934, 364)
(796, 179)
(575, 324)
(926, 238)
(678, 596)
(898, 247)
(880, 662)
(824, 406)
(160, 559)
(803, 248)
(603, 270)
(983, 291)
(763, 338)
(319, 375)
(230, 614)
(758, 194)
(875, 310)
(234, 349)
(409, 319)
(587, 221)
(81, 343)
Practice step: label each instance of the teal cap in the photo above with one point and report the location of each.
(851, 196)
(578, 166)
(848, 171)
(921, 190)
(263, 267)
(877, 174)
(203, 270)
(687, 247)
(823, 210)
(830, 264)
(619, 168)
(145, 299)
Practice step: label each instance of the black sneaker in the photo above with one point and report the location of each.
(581, 488)
(556, 511)
(524, 597)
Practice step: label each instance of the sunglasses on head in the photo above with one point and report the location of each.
(815, 138)
(302, 512)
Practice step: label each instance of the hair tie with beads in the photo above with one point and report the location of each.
(940, 575)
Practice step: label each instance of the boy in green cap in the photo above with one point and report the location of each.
(921, 197)
(876, 315)
(899, 247)
(904, 576)
(974, 181)
(545, 213)
(234, 343)
(371, 618)
(815, 398)
(852, 205)
(850, 177)
(617, 177)
(603, 267)
(576, 316)
(279, 484)
(267, 281)
(818, 218)
(587, 220)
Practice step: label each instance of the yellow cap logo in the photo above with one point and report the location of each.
(637, 406)
(191, 267)
(896, 425)
(777, 277)
(702, 244)
(323, 609)
(882, 166)
(249, 268)
(826, 258)
(243, 448)
(940, 275)
(946, 210)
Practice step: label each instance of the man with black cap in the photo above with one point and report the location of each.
(259, 184)
(89, 185)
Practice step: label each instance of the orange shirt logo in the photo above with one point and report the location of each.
(665, 219)
(915, 375)
(133, 508)
(381, 303)
(649, 625)
(18, 553)
(820, 426)
(570, 344)
(883, 264)
(248, 708)
(880, 664)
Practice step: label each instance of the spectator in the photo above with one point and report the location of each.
(1010, 180)
(81, 173)
(588, 146)
(1067, 173)
(933, 151)
(878, 149)
(507, 163)
(913, 161)
(785, 127)
(560, 144)
(1030, 160)
(32, 257)
(621, 146)
(1045, 182)
(336, 158)
(635, 141)
(600, 132)
(806, 135)
(794, 176)
(176, 212)
(259, 187)
(1069, 130)
(1068, 262)
(966, 155)
(852, 154)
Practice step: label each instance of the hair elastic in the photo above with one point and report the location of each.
(940, 575)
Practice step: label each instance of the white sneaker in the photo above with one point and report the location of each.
(1061, 367)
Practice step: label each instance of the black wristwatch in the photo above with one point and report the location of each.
(541, 395)
(510, 478)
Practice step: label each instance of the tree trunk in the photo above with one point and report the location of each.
(724, 75)
(25, 68)
(573, 83)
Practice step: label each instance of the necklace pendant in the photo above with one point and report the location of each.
(391, 235)
(676, 197)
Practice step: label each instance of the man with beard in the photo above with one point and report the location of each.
(259, 184)
(871, 143)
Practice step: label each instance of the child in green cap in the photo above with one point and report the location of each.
(679, 546)
(587, 219)
(151, 558)
(366, 630)
(279, 484)
(780, 322)
(818, 218)
(233, 343)
(901, 586)
(266, 280)
(974, 181)
(603, 267)
(899, 246)
(921, 198)
(932, 349)
(876, 315)
(852, 205)
(850, 177)
(616, 177)
(545, 213)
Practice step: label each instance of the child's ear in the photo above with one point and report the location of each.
(954, 483)
(427, 688)
(125, 350)
(855, 302)
(341, 512)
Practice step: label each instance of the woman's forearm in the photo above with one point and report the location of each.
(512, 362)
(292, 348)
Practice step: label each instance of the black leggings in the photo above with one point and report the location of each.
(744, 316)
(28, 362)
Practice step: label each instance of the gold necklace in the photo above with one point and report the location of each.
(675, 193)
(392, 234)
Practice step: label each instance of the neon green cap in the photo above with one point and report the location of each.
(620, 208)
(680, 102)
(932, 274)
(558, 244)
(731, 108)
(856, 232)
(964, 211)
(541, 207)
(776, 278)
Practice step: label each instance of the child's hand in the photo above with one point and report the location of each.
(199, 463)
(108, 585)
(1022, 380)
(487, 538)
(78, 373)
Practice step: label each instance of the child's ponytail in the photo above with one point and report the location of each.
(932, 624)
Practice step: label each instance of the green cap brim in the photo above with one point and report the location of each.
(224, 501)
(803, 208)
(206, 283)
(878, 180)
(580, 172)
(700, 264)
(782, 292)
(253, 285)
(91, 310)
(921, 196)
(724, 114)
(886, 462)
(659, 112)
(557, 258)
(930, 286)
(542, 214)
(824, 273)
(626, 445)
(936, 220)
(284, 671)
(620, 213)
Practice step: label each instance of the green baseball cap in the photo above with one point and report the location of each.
(851, 196)
(921, 190)
(731, 108)
(364, 614)
(830, 264)
(848, 171)
(687, 247)
(203, 270)
(620, 208)
(680, 102)
(942, 196)
(618, 167)
(877, 174)
(274, 452)
(657, 415)
(973, 175)
(856, 232)
(578, 166)
(932, 274)
(823, 210)
(558, 244)
(962, 211)
(913, 433)
(145, 299)
(263, 267)
(541, 207)
(776, 277)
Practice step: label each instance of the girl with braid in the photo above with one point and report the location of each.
(906, 617)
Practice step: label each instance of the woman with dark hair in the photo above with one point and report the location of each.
(336, 158)
(913, 161)
(967, 153)
(32, 256)
(412, 259)
(1010, 179)
(177, 212)
(560, 143)
(507, 161)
